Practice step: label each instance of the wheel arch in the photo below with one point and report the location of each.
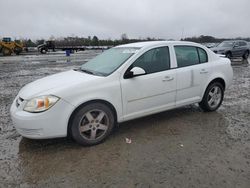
(220, 80)
(111, 106)
(216, 79)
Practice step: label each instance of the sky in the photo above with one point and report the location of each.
(166, 19)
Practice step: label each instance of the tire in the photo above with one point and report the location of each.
(6, 51)
(43, 51)
(17, 50)
(246, 55)
(229, 55)
(213, 97)
(92, 124)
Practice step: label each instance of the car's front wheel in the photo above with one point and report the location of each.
(43, 50)
(213, 97)
(228, 55)
(246, 55)
(92, 124)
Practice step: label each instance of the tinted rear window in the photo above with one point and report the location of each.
(190, 55)
(186, 55)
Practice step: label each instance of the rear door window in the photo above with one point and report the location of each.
(186, 55)
(242, 43)
(190, 55)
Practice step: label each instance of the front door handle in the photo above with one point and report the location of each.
(203, 71)
(167, 78)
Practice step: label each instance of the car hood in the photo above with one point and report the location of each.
(47, 84)
(219, 48)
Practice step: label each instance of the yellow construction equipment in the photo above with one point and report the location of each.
(7, 47)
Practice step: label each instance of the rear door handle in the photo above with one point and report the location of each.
(167, 78)
(203, 71)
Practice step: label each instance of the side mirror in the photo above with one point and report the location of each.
(136, 71)
(236, 45)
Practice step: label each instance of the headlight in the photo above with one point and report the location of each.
(40, 104)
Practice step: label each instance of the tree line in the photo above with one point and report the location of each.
(95, 41)
(89, 41)
(211, 39)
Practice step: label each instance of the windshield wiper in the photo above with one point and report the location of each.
(86, 71)
(90, 72)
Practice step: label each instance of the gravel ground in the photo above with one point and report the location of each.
(184, 147)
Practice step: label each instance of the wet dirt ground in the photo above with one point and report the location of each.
(184, 147)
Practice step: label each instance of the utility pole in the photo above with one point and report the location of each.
(182, 33)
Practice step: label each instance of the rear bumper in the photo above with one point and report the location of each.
(49, 124)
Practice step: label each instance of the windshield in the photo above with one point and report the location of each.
(107, 62)
(226, 44)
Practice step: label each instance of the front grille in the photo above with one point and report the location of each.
(19, 101)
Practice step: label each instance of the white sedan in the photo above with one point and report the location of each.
(123, 83)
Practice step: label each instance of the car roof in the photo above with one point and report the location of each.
(155, 43)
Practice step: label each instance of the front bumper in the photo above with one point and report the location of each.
(49, 124)
(219, 52)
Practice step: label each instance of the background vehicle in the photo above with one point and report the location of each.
(210, 45)
(123, 83)
(51, 45)
(233, 48)
(7, 47)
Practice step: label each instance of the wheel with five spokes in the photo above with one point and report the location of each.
(92, 124)
(213, 97)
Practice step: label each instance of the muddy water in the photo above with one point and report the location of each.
(179, 148)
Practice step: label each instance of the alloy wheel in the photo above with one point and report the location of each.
(94, 124)
(214, 97)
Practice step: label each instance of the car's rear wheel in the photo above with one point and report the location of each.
(213, 97)
(92, 124)
(246, 55)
